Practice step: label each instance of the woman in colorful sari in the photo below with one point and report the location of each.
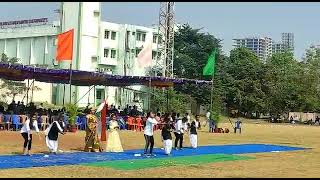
(114, 143)
(92, 140)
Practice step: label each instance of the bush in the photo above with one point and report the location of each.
(72, 111)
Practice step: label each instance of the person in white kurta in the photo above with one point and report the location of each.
(193, 135)
(148, 133)
(52, 134)
(167, 138)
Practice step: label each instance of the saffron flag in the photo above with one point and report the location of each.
(209, 68)
(65, 46)
(145, 55)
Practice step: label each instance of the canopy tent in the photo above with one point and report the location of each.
(18, 72)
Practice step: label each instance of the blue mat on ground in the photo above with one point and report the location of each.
(38, 160)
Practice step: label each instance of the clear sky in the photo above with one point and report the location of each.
(225, 20)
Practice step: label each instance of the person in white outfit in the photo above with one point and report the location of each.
(167, 138)
(26, 132)
(193, 134)
(179, 130)
(148, 133)
(52, 133)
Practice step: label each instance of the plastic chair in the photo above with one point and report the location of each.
(16, 122)
(139, 124)
(83, 125)
(7, 121)
(1, 120)
(130, 123)
(121, 123)
(44, 122)
(78, 122)
(66, 120)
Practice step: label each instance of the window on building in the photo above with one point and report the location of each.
(138, 51)
(133, 33)
(138, 36)
(99, 94)
(154, 54)
(155, 37)
(113, 35)
(96, 13)
(113, 53)
(94, 59)
(106, 53)
(141, 36)
(106, 34)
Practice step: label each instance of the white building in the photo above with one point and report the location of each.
(286, 44)
(98, 46)
(261, 46)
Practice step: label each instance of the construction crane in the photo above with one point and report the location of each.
(165, 39)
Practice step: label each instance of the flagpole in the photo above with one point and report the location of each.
(70, 82)
(211, 103)
(64, 93)
(149, 94)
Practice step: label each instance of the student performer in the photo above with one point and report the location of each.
(178, 133)
(167, 138)
(148, 133)
(193, 135)
(26, 132)
(114, 143)
(52, 134)
(92, 143)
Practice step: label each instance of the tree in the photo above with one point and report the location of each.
(283, 84)
(244, 74)
(177, 102)
(12, 88)
(192, 49)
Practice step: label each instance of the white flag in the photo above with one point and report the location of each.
(145, 55)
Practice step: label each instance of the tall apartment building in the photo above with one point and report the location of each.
(261, 46)
(286, 44)
(288, 40)
(98, 46)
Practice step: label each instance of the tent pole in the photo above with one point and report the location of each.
(27, 92)
(85, 95)
(32, 91)
(89, 94)
(94, 96)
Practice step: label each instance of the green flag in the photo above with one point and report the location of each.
(209, 68)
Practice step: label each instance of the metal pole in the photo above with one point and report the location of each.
(149, 95)
(211, 104)
(94, 95)
(32, 91)
(27, 92)
(70, 98)
(85, 95)
(89, 94)
(167, 100)
(64, 93)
